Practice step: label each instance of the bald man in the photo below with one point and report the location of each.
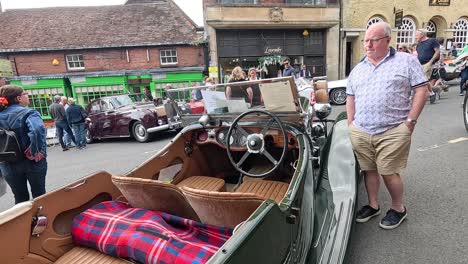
(381, 119)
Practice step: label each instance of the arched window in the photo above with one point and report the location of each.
(431, 28)
(373, 20)
(406, 31)
(460, 34)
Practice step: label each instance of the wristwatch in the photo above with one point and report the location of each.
(411, 121)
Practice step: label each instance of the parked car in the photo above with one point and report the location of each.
(270, 182)
(127, 115)
(337, 91)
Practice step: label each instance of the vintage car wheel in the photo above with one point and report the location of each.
(338, 96)
(465, 111)
(255, 143)
(140, 133)
(89, 138)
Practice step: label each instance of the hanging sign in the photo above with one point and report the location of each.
(439, 2)
(398, 18)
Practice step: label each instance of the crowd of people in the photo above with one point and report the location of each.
(432, 53)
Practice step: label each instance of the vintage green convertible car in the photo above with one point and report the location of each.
(267, 170)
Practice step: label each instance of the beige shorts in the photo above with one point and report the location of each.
(427, 68)
(387, 153)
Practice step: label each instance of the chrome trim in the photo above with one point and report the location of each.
(172, 125)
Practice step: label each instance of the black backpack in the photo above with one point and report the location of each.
(10, 148)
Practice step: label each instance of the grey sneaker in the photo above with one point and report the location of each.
(393, 219)
(366, 213)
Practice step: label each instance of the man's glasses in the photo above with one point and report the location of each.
(286, 63)
(373, 41)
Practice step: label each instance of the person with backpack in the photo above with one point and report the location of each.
(22, 144)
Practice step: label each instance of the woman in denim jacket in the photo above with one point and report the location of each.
(30, 131)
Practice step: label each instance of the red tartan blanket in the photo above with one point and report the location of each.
(119, 230)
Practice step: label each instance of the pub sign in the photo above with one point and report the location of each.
(439, 2)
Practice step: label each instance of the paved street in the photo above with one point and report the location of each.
(435, 230)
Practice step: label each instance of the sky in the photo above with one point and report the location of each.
(193, 8)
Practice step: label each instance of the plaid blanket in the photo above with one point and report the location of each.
(119, 230)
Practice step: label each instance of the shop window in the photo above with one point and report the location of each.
(41, 99)
(460, 35)
(307, 2)
(406, 32)
(84, 95)
(168, 57)
(75, 62)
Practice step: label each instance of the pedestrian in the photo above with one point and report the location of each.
(66, 137)
(76, 117)
(148, 95)
(404, 48)
(31, 135)
(58, 114)
(381, 119)
(304, 72)
(428, 54)
(414, 51)
(237, 91)
(463, 67)
(288, 69)
(256, 94)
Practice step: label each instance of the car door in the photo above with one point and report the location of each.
(107, 119)
(95, 114)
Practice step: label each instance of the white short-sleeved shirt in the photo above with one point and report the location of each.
(381, 93)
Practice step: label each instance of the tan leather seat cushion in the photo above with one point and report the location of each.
(203, 183)
(226, 209)
(266, 189)
(81, 255)
(154, 195)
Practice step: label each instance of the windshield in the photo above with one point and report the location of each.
(126, 99)
(273, 95)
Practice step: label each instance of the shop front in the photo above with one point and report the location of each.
(42, 91)
(265, 50)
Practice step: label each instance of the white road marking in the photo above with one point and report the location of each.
(457, 140)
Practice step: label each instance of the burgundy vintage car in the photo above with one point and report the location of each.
(128, 115)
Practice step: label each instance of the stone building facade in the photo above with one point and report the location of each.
(261, 33)
(441, 18)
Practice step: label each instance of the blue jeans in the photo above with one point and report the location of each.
(464, 78)
(79, 130)
(18, 174)
(66, 138)
(61, 126)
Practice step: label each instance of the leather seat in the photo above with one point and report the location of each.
(203, 183)
(273, 190)
(81, 255)
(155, 195)
(226, 209)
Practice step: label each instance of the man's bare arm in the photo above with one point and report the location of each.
(350, 110)
(419, 100)
(436, 56)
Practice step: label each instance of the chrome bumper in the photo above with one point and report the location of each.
(172, 125)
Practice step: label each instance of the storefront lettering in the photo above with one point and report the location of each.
(270, 51)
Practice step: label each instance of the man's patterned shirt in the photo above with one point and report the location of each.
(381, 93)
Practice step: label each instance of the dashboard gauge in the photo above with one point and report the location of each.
(202, 136)
(231, 140)
(221, 136)
(242, 140)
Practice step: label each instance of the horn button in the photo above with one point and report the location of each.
(255, 143)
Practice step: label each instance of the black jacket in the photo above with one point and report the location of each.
(76, 114)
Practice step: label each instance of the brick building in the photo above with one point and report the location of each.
(87, 52)
(441, 18)
(260, 33)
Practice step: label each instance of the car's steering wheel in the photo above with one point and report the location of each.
(255, 143)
